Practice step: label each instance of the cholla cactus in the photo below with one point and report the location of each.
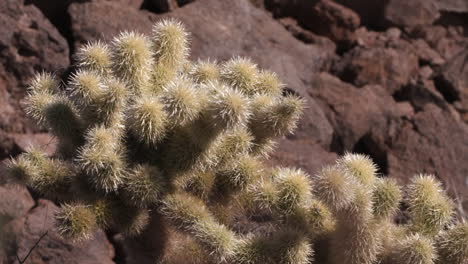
(145, 134)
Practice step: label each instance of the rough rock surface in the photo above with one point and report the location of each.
(21, 234)
(381, 78)
(29, 43)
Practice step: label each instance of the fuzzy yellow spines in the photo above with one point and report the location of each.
(63, 119)
(429, 207)
(170, 45)
(129, 220)
(355, 240)
(268, 83)
(413, 249)
(386, 198)
(227, 107)
(52, 179)
(189, 214)
(230, 145)
(452, 244)
(312, 217)
(238, 174)
(360, 166)
(240, 73)
(148, 120)
(275, 116)
(101, 159)
(75, 222)
(319, 219)
(288, 246)
(294, 189)
(144, 185)
(181, 101)
(21, 169)
(261, 197)
(85, 87)
(132, 60)
(102, 210)
(389, 232)
(336, 187)
(95, 56)
(112, 103)
(205, 71)
(52, 110)
(198, 183)
(43, 83)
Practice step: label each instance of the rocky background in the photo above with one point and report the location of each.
(384, 78)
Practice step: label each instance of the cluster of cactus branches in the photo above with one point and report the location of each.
(144, 131)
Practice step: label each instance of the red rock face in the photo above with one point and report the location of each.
(380, 77)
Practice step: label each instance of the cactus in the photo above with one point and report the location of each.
(146, 136)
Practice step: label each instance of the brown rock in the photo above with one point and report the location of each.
(390, 67)
(452, 82)
(22, 233)
(307, 36)
(411, 13)
(426, 54)
(323, 17)
(447, 43)
(28, 44)
(352, 111)
(334, 21)
(458, 6)
(15, 202)
(302, 153)
(433, 142)
(370, 11)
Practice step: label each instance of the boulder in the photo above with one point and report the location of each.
(432, 142)
(390, 67)
(15, 202)
(452, 82)
(404, 13)
(29, 43)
